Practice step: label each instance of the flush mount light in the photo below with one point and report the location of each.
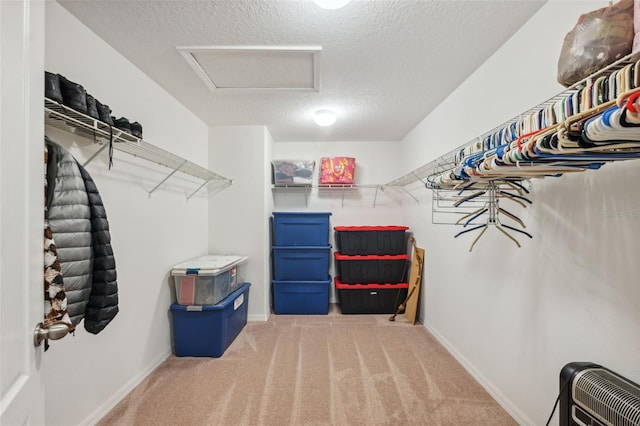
(325, 117)
(331, 4)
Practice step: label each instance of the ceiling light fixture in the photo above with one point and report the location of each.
(325, 117)
(331, 4)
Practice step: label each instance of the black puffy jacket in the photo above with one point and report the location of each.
(70, 222)
(79, 224)
(103, 302)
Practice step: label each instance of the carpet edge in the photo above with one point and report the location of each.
(121, 393)
(258, 318)
(495, 393)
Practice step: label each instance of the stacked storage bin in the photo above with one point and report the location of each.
(301, 259)
(371, 268)
(211, 307)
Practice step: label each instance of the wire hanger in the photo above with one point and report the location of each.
(475, 216)
(466, 187)
(478, 237)
(493, 210)
(467, 215)
(514, 197)
(511, 216)
(518, 230)
(499, 228)
(469, 198)
(470, 229)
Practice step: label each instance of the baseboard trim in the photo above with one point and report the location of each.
(259, 317)
(112, 401)
(495, 393)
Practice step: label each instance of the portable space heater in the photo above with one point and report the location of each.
(591, 395)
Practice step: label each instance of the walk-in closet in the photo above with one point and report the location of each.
(370, 212)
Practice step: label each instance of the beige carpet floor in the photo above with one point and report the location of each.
(315, 370)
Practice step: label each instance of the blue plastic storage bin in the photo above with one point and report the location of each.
(207, 331)
(301, 297)
(301, 263)
(301, 228)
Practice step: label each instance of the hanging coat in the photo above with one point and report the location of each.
(55, 298)
(79, 224)
(70, 223)
(103, 300)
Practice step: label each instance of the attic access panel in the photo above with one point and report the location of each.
(247, 68)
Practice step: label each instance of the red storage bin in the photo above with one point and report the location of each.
(379, 269)
(367, 240)
(370, 298)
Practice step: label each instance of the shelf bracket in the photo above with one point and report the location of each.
(410, 195)
(343, 196)
(94, 155)
(375, 196)
(306, 194)
(198, 189)
(420, 179)
(168, 176)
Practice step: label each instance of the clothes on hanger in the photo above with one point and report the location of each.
(79, 225)
(102, 306)
(590, 126)
(55, 298)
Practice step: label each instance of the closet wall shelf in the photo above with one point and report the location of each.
(331, 187)
(322, 185)
(62, 117)
(451, 158)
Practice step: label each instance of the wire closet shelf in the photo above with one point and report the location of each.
(454, 158)
(65, 118)
(342, 188)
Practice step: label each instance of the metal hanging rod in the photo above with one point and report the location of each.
(430, 167)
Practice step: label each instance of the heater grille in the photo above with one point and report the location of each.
(607, 397)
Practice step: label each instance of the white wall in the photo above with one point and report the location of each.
(377, 162)
(514, 317)
(238, 216)
(85, 374)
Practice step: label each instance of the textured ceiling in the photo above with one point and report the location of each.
(384, 65)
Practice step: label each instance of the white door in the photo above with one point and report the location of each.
(21, 205)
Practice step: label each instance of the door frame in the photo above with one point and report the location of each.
(22, 390)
